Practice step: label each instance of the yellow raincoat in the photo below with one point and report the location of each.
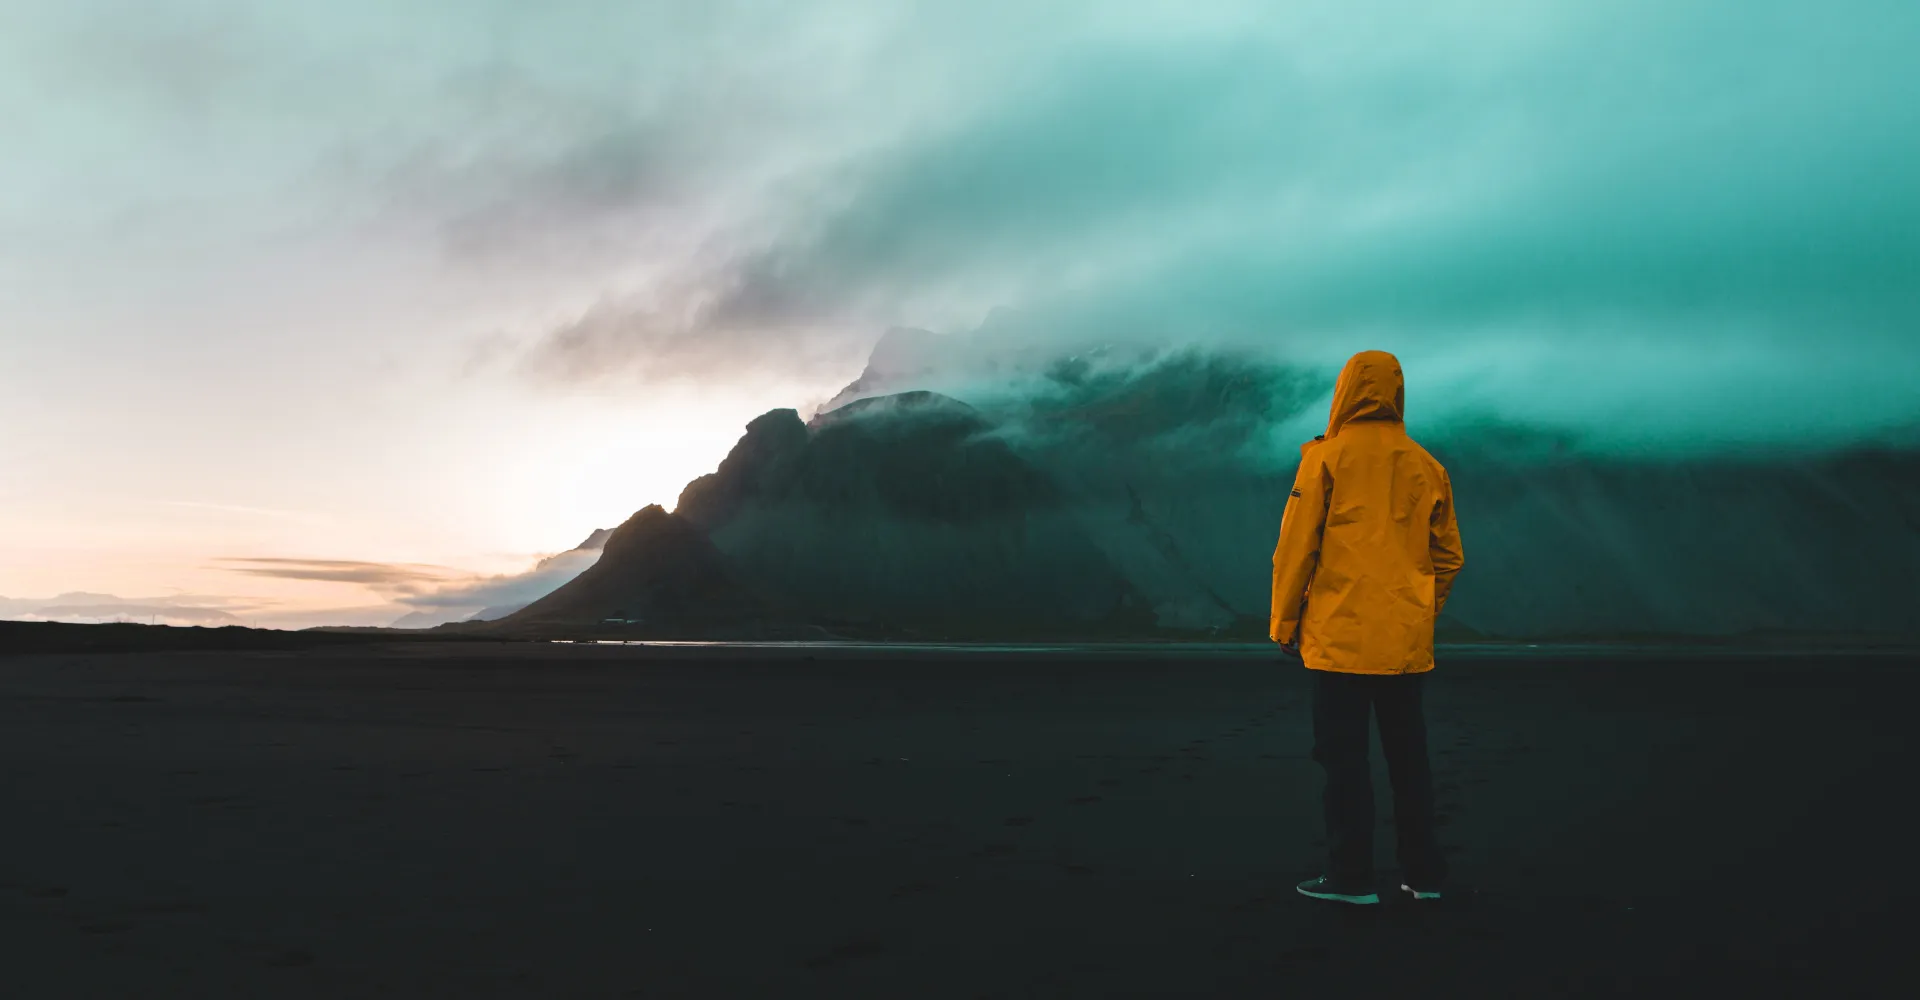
(1368, 545)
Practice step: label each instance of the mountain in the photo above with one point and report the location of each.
(895, 513)
(82, 606)
(961, 491)
(654, 568)
(420, 619)
(905, 510)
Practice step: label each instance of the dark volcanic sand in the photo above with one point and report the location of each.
(477, 821)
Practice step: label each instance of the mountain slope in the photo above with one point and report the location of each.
(655, 568)
(1126, 496)
(904, 510)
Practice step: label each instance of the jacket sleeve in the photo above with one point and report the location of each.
(1444, 548)
(1298, 553)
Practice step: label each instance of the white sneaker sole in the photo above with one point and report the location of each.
(1339, 897)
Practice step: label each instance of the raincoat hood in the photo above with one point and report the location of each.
(1370, 388)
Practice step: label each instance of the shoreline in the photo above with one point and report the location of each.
(28, 638)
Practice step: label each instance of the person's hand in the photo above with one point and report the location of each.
(1289, 649)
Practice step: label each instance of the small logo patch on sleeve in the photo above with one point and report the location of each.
(1295, 493)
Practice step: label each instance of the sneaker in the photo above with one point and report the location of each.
(1323, 888)
(1419, 893)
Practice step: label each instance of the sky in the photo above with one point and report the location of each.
(319, 312)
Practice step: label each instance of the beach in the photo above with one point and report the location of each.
(499, 820)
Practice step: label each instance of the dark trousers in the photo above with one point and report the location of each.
(1342, 704)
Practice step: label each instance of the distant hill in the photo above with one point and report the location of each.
(27, 638)
(655, 567)
(84, 607)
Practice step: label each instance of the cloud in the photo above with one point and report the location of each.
(511, 588)
(82, 607)
(1634, 221)
(421, 595)
(395, 577)
(230, 508)
(425, 595)
(1628, 217)
(719, 331)
(136, 612)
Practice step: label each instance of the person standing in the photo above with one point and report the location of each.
(1368, 551)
